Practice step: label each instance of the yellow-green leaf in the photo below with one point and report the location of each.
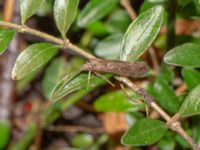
(64, 14)
(4, 134)
(29, 8)
(32, 58)
(141, 33)
(191, 104)
(5, 38)
(118, 101)
(187, 55)
(73, 82)
(144, 132)
(95, 10)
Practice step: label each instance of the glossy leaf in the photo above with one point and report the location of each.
(117, 101)
(166, 96)
(191, 77)
(51, 113)
(109, 47)
(141, 33)
(32, 58)
(191, 104)
(144, 132)
(52, 76)
(95, 10)
(29, 8)
(71, 83)
(5, 134)
(186, 55)
(64, 14)
(5, 38)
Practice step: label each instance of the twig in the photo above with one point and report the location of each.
(68, 128)
(25, 29)
(147, 98)
(181, 89)
(127, 5)
(154, 60)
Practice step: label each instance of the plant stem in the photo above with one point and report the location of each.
(171, 20)
(25, 29)
(127, 5)
(147, 98)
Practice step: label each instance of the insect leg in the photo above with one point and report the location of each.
(128, 96)
(112, 84)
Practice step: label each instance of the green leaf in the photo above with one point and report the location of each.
(144, 132)
(191, 77)
(133, 116)
(32, 58)
(52, 76)
(71, 83)
(29, 8)
(51, 113)
(196, 129)
(95, 10)
(25, 141)
(5, 38)
(46, 8)
(166, 96)
(118, 21)
(187, 55)
(167, 142)
(82, 141)
(109, 47)
(141, 33)
(191, 104)
(5, 134)
(182, 142)
(117, 101)
(166, 73)
(64, 14)
(97, 28)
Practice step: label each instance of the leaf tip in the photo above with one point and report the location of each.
(14, 75)
(166, 58)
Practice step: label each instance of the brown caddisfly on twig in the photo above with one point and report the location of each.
(118, 68)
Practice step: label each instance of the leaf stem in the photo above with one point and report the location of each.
(147, 98)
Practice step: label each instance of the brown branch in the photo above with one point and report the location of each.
(154, 60)
(64, 44)
(127, 5)
(147, 98)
